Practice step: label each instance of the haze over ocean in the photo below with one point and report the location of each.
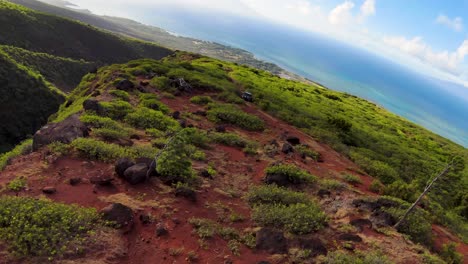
(439, 106)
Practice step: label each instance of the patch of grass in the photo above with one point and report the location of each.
(204, 228)
(152, 101)
(19, 150)
(198, 155)
(234, 246)
(38, 227)
(353, 179)
(376, 186)
(343, 257)
(272, 194)
(174, 165)
(145, 118)
(332, 184)
(17, 184)
(110, 134)
(306, 151)
(295, 218)
(196, 137)
(450, 255)
(116, 109)
(122, 95)
(230, 114)
(229, 139)
(201, 100)
(294, 174)
(59, 148)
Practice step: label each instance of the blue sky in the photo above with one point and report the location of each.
(430, 36)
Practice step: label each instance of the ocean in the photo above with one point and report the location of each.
(437, 105)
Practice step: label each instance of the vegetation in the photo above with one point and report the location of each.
(272, 194)
(353, 179)
(20, 149)
(342, 257)
(450, 254)
(230, 114)
(201, 100)
(122, 95)
(174, 165)
(146, 118)
(294, 174)
(32, 227)
(17, 184)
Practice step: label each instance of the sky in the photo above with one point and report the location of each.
(429, 36)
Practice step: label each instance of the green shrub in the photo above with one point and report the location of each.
(17, 184)
(152, 101)
(198, 155)
(296, 218)
(342, 257)
(294, 174)
(148, 118)
(306, 151)
(122, 95)
(116, 109)
(19, 150)
(110, 134)
(332, 184)
(376, 186)
(450, 255)
(153, 132)
(37, 227)
(195, 137)
(99, 150)
(204, 228)
(229, 139)
(272, 194)
(201, 100)
(353, 179)
(174, 165)
(230, 114)
(59, 148)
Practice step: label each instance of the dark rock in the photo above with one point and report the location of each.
(122, 165)
(181, 85)
(220, 128)
(135, 136)
(205, 174)
(271, 241)
(183, 123)
(293, 140)
(274, 143)
(176, 115)
(118, 214)
(190, 125)
(287, 148)
(186, 192)
(278, 179)
(93, 105)
(382, 219)
(49, 190)
(125, 85)
(350, 237)
(64, 132)
(144, 83)
(102, 180)
(146, 219)
(161, 230)
(322, 193)
(143, 89)
(136, 174)
(150, 163)
(200, 113)
(315, 246)
(176, 221)
(75, 181)
(361, 223)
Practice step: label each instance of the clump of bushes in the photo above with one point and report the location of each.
(38, 227)
(174, 165)
(122, 95)
(17, 184)
(282, 208)
(229, 139)
(353, 179)
(306, 151)
(99, 150)
(201, 100)
(116, 109)
(148, 118)
(19, 150)
(294, 174)
(151, 101)
(106, 128)
(230, 114)
(332, 184)
(450, 255)
(342, 257)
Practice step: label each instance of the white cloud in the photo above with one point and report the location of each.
(341, 14)
(301, 6)
(455, 24)
(444, 60)
(368, 8)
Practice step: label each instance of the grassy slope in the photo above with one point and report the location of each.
(26, 101)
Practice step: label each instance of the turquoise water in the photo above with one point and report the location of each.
(441, 107)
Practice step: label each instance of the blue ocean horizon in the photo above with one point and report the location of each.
(439, 106)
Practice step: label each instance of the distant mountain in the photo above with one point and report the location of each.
(41, 52)
(135, 29)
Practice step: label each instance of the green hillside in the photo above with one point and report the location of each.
(26, 102)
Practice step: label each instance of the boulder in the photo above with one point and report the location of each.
(287, 148)
(136, 174)
(183, 123)
(360, 223)
(125, 85)
(350, 237)
(220, 128)
(150, 163)
(93, 105)
(200, 113)
(272, 241)
(278, 179)
(161, 230)
(122, 165)
(322, 193)
(293, 140)
(315, 246)
(49, 190)
(176, 115)
(75, 181)
(144, 83)
(118, 214)
(64, 132)
(382, 219)
(146, 219)
(205, 174)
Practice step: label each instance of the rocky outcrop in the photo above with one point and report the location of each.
(122, 165)
(136, 174)
(64, 132)
(287, 148)
(118, 214)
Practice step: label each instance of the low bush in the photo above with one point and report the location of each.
(122, 95)
(342, 257)
(201, 100)
(331, 184)
(450, 255)
(59, 148)
(198, 155)
(148, 118)
(38, 227)
(99, 150)
(272, 194)
(116, 109)
(151, 101)
(17, 184)
(294, 174)
(110, 134)
(376, 186)
(230, 114)
(229, 139)
(196, 137)
(353, 179)
(306, 151)
(295, 218)
(19, 150)
(174, 165)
